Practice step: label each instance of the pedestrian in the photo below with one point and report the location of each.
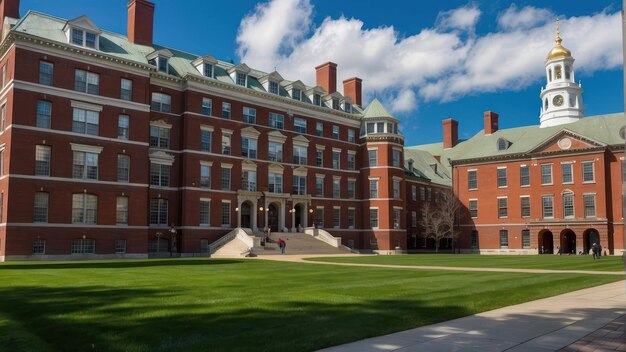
(281, 245)
(594, 249)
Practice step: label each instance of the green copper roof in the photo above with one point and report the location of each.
(425, 165)
(376, 110)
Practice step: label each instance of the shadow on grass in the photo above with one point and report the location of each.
(112, 264)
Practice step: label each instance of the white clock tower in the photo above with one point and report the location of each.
(562, 100)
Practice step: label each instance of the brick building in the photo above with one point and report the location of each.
(113, 146)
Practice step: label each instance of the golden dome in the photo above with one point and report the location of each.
(558, 50)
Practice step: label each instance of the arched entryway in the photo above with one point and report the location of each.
(546, 242)
(300, 218)
(246, 214)
(272, 216)
(590, 236)
(568, 242)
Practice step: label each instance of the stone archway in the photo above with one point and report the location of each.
(546, 242)
(300, 217)
(246, 214)
(273, 216)
(568, 242)
(590, 236)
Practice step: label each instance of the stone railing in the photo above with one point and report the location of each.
(323, 236)
(213, 247)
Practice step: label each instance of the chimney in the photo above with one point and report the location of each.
(352, 89)
(326, 76)
(9, 8)
(491, 122)
(140, 22)
(450, 133)
(410, 162)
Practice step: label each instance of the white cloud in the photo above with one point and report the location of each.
(405, 101)
(524, 18)
(463, 18)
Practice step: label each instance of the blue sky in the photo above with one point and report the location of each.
(425, 62)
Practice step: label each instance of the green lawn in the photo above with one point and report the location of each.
(565, 262)
(243, 305)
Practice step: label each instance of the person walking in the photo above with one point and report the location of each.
(594, 249)
(282, 245)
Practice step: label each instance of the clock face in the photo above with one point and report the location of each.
(558, 100)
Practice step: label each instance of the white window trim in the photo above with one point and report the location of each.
(81, 148)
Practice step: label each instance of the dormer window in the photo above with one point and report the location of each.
(160, 59)
(273, 87)
(317, 99)
(336, 104)
(205, 65)
(81, 31)
(161, 63)
(347, 107)
(503, 144)
(242, 79)
(296, 94)
(208, 70)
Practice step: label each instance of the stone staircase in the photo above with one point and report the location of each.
(233, 249)
(298, 243)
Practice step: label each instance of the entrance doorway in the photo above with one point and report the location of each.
(590, 237)
(272, 217)
(568, 242)
(546, 244)
(299, 217)
(246, 215)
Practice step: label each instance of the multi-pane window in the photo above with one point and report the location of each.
(336, 155)
(546, 174)
(248, 180)
(568, 205)
(319, 216)
(121, 211)
(207, 70)
(84, 208)
(525, 238)
(351, 217)
(86, 82)
(44, 113)
(319, 186)
(205, 176)
(474, 239)
(241, 79)
(277, 121)
(159, 174)
(126, 89)
(566, 173)
(226, 110)
(206, 106)
(351, 161)
(319, 129)
(83, 38)
(372, 157)
(335, 132)
(225, 179)
(525, 206)
(590, 205)
(502, 177)
(123, 123)
(205, 140)
(473, 208)
(248, 147)
(120, 246)
(42, 160)
(299, 125)
(273, 87)
(85, 165)
(351, 189)
(204, 210)
(335, 104)
(3, 117)
(40, 211)
(249, 115)
(275, 152)
(336, 187)
(161, 102)
(123, 168)
(422, 194)
(159, 137)
(46, 70)
(85, 121)
(336, 217)
(275, 182)
(396, 218)
(547, 205)
(319, 157)
(161, 64)
(413, 219)
(83, 246)
(503, 207)
(371, 127)
(39, 246)
(504, 238)
(396, 189)
(374, 218)
(588, 174)
(351, 136)
(158, 211)
(472, 179)
(396, 158)
(317, 99)
(373, 188)
(226, 141)
(299, 155)
(296, 94)
(524, 175)
(299, 185)
(225, 214)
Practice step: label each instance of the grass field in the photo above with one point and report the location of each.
(565, 262)
(242, 305)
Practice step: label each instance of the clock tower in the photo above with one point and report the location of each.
(561, 100)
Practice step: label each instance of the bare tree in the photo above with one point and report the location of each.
(438, 220)
(449, 207)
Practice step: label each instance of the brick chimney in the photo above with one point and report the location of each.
(9, 8)
(450, 133)
(352, 89)
(140, 22)
(326, 76)
(491, 122)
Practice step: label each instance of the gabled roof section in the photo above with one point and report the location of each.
(294, 85)
(274, 76)
(423, 167)
(207, 59)
(243, 68)
(566, 140)
(300, 138)
(317, 89)
(161, 52)
(82, 22)
(334, 95)
(376, 110)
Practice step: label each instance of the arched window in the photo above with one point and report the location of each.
(557, 72)
(549, 75)
(567, 72)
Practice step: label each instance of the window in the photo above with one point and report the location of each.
(351, 161)
(39, 246)
(248, 147)
(319, 216)
(373, 188)
(42, 160)
(546, 174)
(84, 208)
(159, 137)
(120, 246)
(502, 144)
(277, 121)
(336, 217)
(351, 189)
(413, 219)
(3, 117)
(159, 175)
(123, 168)
(44, 113)
(373, 157)
(566, 173)
(525, 206)
(335, 132)
(46, 70)
(76, 36)
(396, 218)
(296, 94)
(273, 87)
(275, 152)
(336, 104)
(351, 217)
(299, 185)
(428, 194)
(83, 38)
(275, 183)
(503, 207)
(524, 175)
(504, 238)
(370, 127)
(83, 246)
(472, 179)
(85, 165)
(207, 70)
(226, 110)
(347, 107)
(225, 179)
(121, 211)
(590, 205)
(422, 194)
(351, 136)
(40, 211)
(525, 238)
(299, 155)
(126, 89)
(502, 177)
(299, 125)
(547, 206)
(123, 123)
(158, 211)
(241, 79)
(86, 82)
(413, 192)
(317, 99)
(473, 208)
(204, 212)
(336, 187)
(205, 140)
(588, 174)
(319, 129)
(374, 218)
(319, 186)
(474, 239)
(396, 189)
(336, 155)
(248, 180)
(396, 158)
(85, 121)
(249, 115)
(161, 102)
(206, 106)
(204, 245)
(568, 205)
(226, 143)
(319, 157)
(205, 176)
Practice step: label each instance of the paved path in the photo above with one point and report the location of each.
(611, 337)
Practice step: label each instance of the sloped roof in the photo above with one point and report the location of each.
(425, 165)
(376, 110)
